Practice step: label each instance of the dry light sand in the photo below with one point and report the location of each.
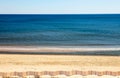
(15, 62)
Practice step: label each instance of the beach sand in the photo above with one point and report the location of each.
(20, 63)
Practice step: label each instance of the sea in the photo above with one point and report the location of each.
(74, 30)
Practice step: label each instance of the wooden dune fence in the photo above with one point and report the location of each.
(54, 73)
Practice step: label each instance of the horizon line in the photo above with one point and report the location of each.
(61, 14)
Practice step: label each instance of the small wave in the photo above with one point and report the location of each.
(56, 49)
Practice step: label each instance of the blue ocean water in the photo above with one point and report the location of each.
(60, 30)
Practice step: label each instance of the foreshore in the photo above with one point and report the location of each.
(58, 48)
(62, 50)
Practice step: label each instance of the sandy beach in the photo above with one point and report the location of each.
(16, 62)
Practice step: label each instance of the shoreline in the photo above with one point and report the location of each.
(58, 48)
(62, 50)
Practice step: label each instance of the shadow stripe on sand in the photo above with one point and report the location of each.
(56, 73)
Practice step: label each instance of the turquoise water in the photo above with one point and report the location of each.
(60, 30)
